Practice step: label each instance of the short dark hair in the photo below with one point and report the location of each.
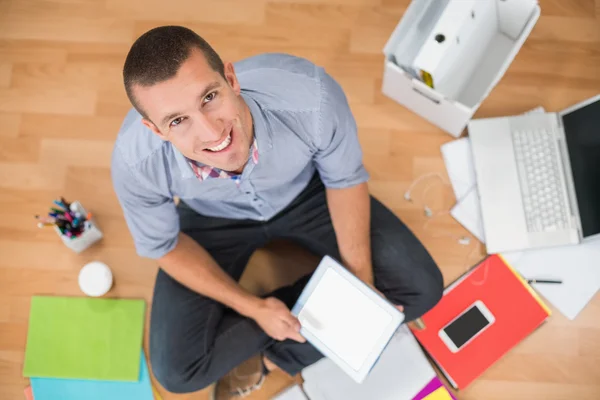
(157, 55)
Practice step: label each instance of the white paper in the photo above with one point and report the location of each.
(459, 166)
(401, 372)
(291, 393)
(343, 318)
(468, 213)
(577, 267)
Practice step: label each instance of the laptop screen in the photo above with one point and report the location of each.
(582, 129)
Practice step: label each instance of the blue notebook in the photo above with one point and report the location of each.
(77, 389)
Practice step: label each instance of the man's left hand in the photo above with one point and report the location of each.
(399, 307)
(366, 275)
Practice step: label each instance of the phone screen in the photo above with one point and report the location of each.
(466, 326)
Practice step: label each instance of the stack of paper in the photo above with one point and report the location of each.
(86, 347)
(400, 374)
(459, 165)
(576, 266)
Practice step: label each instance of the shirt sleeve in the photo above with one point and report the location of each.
(339, 156)
(152, 218)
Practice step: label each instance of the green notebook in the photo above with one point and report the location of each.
(84, 338)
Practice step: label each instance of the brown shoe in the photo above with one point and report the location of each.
(241, 381)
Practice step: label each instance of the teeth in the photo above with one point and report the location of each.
(223, 144)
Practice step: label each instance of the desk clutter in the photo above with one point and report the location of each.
(86, 348)
(579, 282)
(72, 223)
(473, 326)
(412, 379)
(480, 317)
(442, 60)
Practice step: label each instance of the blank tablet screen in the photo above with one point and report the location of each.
(343, 318)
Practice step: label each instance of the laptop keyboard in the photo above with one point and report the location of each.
(541, 186)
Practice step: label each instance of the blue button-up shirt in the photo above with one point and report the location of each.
(302, 124)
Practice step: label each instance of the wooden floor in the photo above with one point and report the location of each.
(62, 102)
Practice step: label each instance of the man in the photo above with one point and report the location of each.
(266, 149)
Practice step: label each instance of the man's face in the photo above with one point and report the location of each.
(201, 114)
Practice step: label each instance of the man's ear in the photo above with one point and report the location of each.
(232, 78)
(150, 125)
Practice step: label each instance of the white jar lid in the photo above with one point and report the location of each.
(95, 279)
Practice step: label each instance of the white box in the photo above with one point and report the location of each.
(89, 236)
(506, 27)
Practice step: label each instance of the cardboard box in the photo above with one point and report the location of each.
(501, 31)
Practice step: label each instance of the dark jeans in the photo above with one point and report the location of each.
(194, 340)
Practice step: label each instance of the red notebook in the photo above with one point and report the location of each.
(517, 310)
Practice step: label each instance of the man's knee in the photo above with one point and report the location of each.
(428, 288)
(175, 376)
(431, 289)
(412, 280)
(292, 357)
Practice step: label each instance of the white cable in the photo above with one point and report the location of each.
(462, 240)
(485, 266)
(430, 214)
(419, 179)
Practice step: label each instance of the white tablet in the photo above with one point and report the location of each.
(345, 319)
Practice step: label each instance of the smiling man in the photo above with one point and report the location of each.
(263, 149)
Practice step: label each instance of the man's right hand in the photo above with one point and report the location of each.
(273, 316)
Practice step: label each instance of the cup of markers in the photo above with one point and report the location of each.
(73, 224)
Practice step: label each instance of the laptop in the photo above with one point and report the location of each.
(538, 177)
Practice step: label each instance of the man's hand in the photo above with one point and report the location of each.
(399, 307)
(366, 275)
(277, 321)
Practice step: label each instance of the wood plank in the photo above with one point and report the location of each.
(5, 74)
(374, 27)
(80, 22)
(30, 51)
(50, 126)
(83, 76)
(570, 8)
(76, 152)
(205, 10)
(562, 28)
(19, 149)
(9, 124)
(64, 101)
(29, 176)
